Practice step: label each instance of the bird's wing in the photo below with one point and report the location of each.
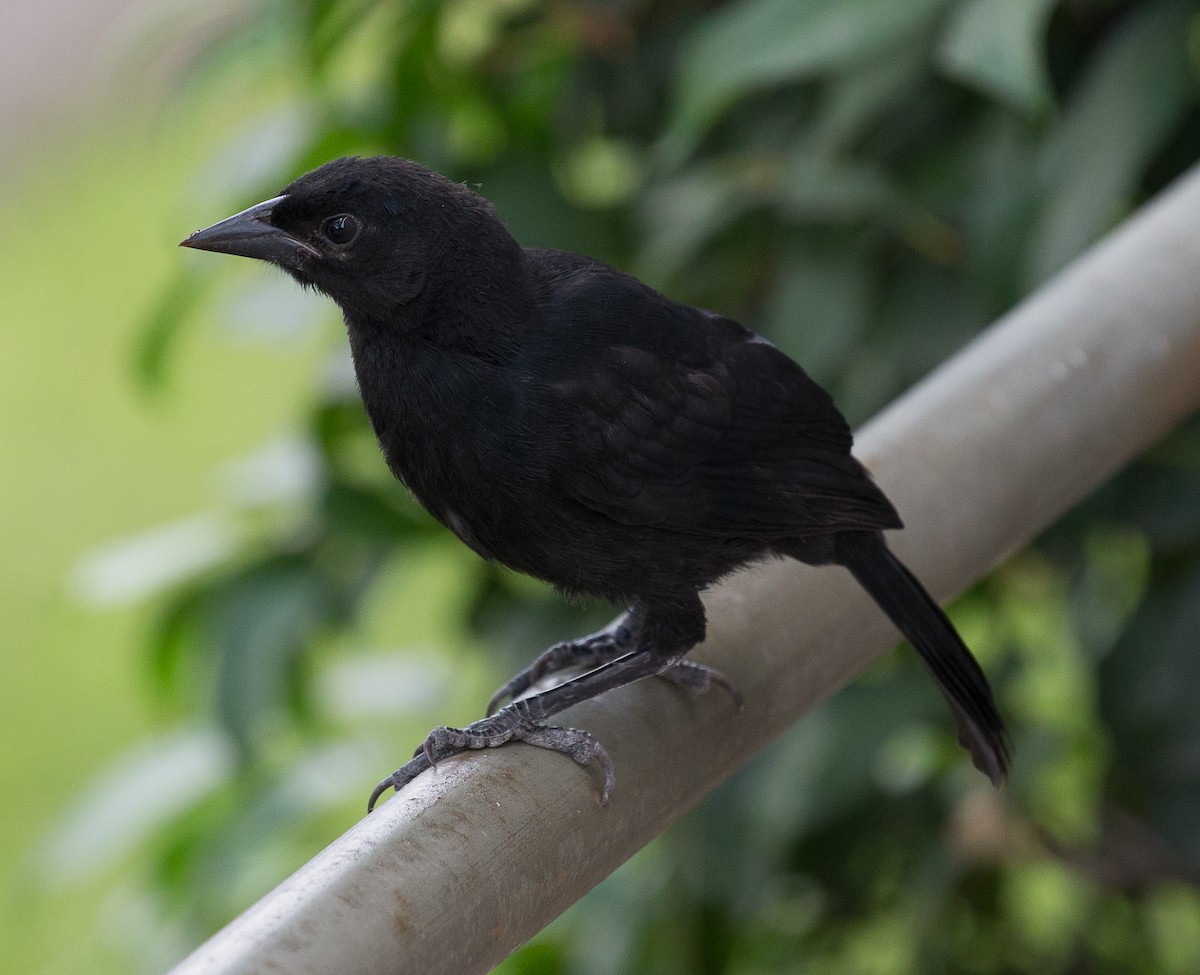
(712, 430)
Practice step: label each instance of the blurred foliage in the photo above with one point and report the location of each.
(869, 183)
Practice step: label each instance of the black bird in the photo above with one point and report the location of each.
(566, 420)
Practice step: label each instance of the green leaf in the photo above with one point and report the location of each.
(142, 565)
(600, 173)
(267, 307)
(860, 98)
(1131, 98)
(821, 302)
(1110, 587)
(327, 25)
(764, 43)
(281, 471)
(996, 47)
(812, 188)
(173, 632)
(263, 621)
(142, 791)
(162, 327)
(681, 215)
(1148, 701)
(376, 515)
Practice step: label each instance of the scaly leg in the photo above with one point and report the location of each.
(586, 653)
(589, 652)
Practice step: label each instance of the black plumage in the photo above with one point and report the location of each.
(570, 422)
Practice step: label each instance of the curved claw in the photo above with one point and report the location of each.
(610, 773)
(729, 688)
(388, 783)
(582, 747)
(518, 685)
(401, 777)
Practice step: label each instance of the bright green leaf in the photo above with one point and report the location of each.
(600, 173)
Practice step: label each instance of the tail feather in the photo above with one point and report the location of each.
(960, 679)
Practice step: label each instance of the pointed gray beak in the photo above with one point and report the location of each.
(251, 234)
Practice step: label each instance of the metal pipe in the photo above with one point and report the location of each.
(473, 859)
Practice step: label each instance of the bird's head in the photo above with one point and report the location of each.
(370, 233)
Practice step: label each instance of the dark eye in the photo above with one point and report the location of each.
(340, 229)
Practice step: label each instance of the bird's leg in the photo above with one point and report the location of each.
(586, 653)
(665, 631)
(614, 641)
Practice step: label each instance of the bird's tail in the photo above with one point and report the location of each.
(900, 595)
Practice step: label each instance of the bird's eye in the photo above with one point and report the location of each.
(340, 229)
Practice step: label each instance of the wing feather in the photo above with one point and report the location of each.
(686, 421)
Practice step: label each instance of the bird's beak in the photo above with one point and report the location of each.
(251, 234)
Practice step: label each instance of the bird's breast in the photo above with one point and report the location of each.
(461, 436)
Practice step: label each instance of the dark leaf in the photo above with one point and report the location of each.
(756, 44)
(1122, 111)
(261, 623)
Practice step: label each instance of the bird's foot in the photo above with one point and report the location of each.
(491, 732)
(698, 678)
